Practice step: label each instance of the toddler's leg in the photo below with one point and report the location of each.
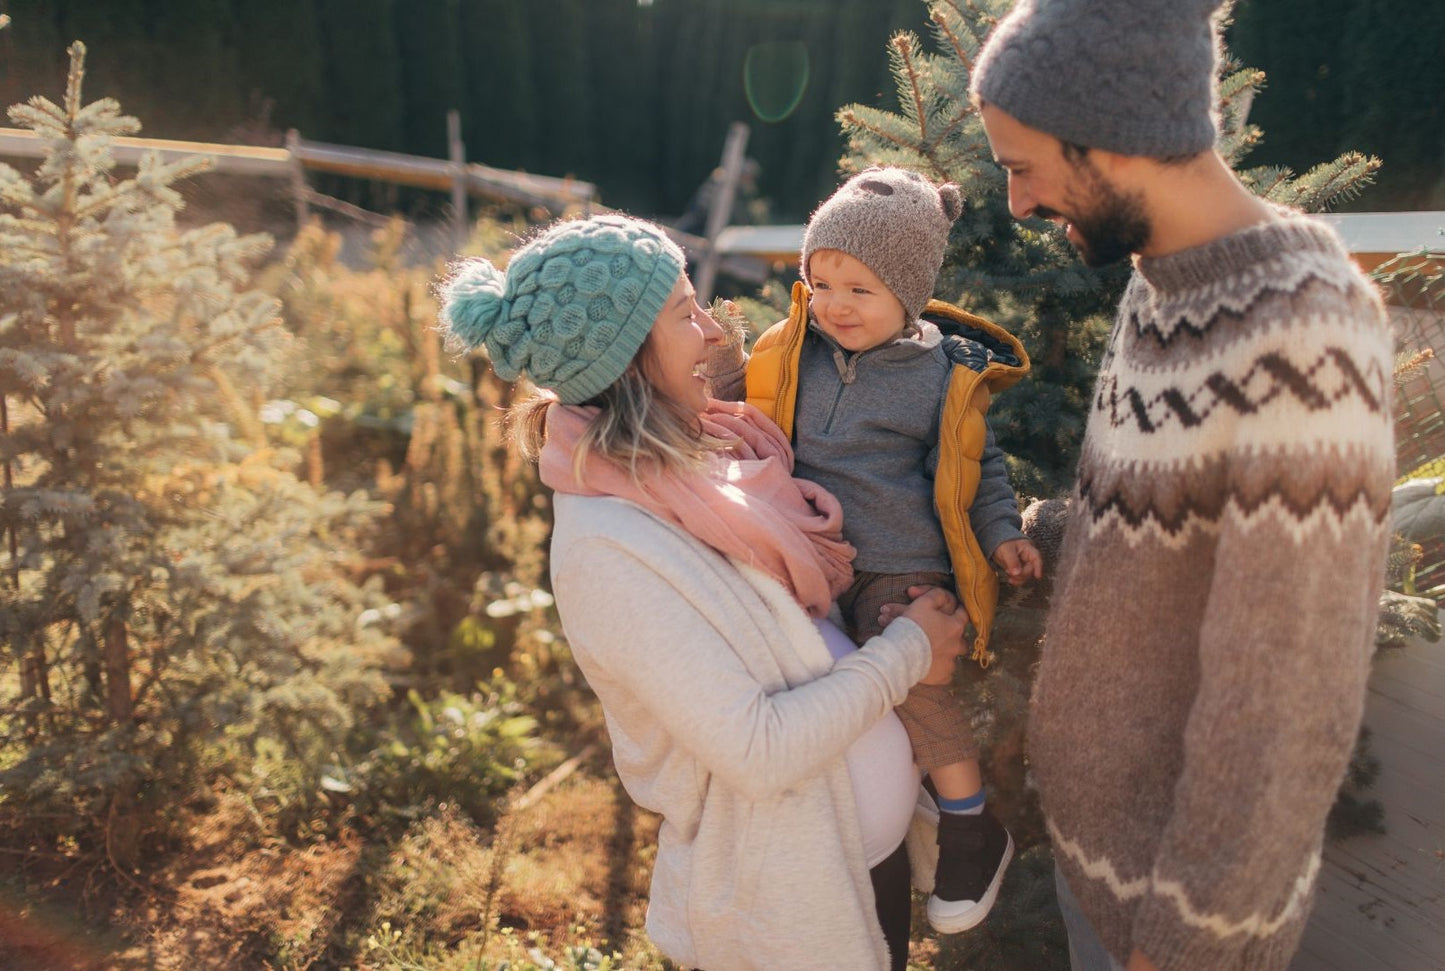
(957, 780)
(974, 849)
(861, 603)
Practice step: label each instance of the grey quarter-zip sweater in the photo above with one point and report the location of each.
(867, 430)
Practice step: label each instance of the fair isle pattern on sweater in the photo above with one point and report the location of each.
(1203, 676)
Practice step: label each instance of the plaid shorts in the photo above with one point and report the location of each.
(936, 726)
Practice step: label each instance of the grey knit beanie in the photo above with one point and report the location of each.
(573, 306)
(893, 221)
(1135, 77)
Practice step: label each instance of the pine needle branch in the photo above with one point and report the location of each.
(1269, 180)
(960, 117)
(903, 43)
(74, 79)
(851, 118)
(948, 33)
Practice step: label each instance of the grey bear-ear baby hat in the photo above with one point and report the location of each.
(893, 221)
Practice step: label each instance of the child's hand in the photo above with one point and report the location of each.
(1020, 560)
(890, 612)
(727, 360)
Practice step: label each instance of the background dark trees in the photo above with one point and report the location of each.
(637, 97)
(1361, 75)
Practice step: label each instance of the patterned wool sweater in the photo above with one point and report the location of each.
(1210, 632)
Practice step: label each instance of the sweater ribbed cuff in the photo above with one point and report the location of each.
(1173, 945)
(726, 371)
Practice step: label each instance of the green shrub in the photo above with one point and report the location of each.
(453, 751)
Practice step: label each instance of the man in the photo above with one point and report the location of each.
(1203, 675)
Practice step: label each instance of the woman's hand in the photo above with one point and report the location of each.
(937, 611)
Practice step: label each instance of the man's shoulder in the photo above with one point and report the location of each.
(1305, 249)
(1287, 272)
(1316, 278)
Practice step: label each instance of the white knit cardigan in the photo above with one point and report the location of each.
(729, 718)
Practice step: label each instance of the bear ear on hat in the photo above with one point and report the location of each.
(952, 199)
(472, 301)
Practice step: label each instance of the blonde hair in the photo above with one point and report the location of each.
(636, 428)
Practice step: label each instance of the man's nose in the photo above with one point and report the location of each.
(1021, 204)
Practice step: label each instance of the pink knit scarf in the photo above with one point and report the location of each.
(744, 502)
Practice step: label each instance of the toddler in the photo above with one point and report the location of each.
(884, 393)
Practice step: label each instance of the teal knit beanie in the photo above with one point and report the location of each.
(573, 306)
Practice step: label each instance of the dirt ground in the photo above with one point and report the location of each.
(575, 867)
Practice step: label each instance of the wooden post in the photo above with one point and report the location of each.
(298, 178)
(721, 208)
(457, 153)
(119, 704)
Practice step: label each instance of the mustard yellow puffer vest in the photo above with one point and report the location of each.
(772, 386)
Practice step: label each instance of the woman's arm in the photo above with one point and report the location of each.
(682, 648)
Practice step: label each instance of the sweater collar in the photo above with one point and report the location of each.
(1237, 254)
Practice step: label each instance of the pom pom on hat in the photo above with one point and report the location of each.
(472, 301)
(573, 306)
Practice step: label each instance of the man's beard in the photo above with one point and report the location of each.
(1110, 224)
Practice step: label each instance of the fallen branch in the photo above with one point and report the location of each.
(550, 781)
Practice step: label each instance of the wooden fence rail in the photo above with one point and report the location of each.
(553, 194)
(454, 175)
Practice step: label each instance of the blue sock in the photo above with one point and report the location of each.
(968, 806)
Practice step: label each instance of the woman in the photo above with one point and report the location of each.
(693, 574)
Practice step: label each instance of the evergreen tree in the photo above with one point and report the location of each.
(170, 598)
(431, 72)
(503, 121)
(1024, 275)
(277, 46)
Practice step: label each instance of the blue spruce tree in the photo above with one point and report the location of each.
(171, 606)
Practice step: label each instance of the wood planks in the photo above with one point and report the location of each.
(1381, 899)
